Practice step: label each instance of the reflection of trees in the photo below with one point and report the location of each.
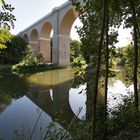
(54, 101)
(123, 75)
(11, 86)
(5, 100)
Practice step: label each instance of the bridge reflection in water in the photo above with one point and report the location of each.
(51, 92)
(35, 101)
(53, 101)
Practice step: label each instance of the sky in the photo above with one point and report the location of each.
(29, 11)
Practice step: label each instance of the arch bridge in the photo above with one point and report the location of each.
(55, 50)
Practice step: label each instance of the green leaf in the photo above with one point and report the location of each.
(2, 46)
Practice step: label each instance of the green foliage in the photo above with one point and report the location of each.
(92, 15)
(124, 121)
(5, 35)
(80, 67)
(74, 49)
(2, 46)
(5, 69)
(81, 131)
(15, 51)
(127, 53)
(32, 63)
(123, 124)
(78, 62)
(10, 88)
(6, 17)
(30, 60)
(5, 101)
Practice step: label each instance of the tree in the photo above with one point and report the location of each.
(16, 49)
(135, 32)
(5, 35)
(130, 15)
(107, 63)
(94, 36)
(6, 17)
(75, 46)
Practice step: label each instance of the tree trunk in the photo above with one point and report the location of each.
(135, 32)
(98, 71)
(107, 65)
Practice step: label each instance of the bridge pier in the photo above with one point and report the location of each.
(61, 50)
(45, 48)
(35, 46)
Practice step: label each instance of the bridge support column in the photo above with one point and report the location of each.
(61, 50)
(45, 48)
(35, 46)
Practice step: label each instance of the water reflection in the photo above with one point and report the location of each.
(77, 99)
(29, 104)
(116, 91)
(11, 87)
(19, 119)
(53, 100)
(34, 102)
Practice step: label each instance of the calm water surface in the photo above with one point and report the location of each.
(28, 105)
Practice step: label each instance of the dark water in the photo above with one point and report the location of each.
(29, 105)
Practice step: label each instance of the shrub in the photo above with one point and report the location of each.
(15, 51)
(29, 61)
(124, 122)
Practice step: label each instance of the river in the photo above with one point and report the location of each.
(28, 105)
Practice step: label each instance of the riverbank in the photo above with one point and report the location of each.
(10, 69)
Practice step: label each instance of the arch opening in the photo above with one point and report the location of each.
(34, 41)
(46, 45)
(34, 35)
(25, 36)
(75, 42)
(68, 33)
(68, 21)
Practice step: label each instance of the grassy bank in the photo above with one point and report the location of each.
(11, 69)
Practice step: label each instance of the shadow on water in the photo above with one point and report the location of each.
(11, 88)
(54, 101)
(50, 91)
(29, 104)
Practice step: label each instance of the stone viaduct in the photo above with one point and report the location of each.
(59, 21)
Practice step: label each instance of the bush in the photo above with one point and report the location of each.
(30, 61)
(15, 51)
(124, 122)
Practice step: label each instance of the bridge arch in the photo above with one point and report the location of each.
(34, 35)
(66, 22)
(25, 36)
(46, 42)
(34, 41)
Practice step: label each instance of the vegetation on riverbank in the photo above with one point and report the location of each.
(98, 37)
